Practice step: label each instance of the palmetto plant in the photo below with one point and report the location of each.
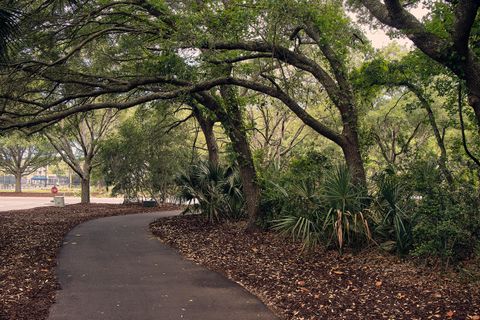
(301, 217)
(392, 222)
(8, 27)
(212, 190)
(345, 222)
(333, 213)
(305, 229)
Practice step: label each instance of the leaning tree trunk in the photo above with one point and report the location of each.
(442, 161)
(18, 182)
(211, 142)
(207, 128)
(248, 175)
(85, 190)
(237, 134)
(230, 116)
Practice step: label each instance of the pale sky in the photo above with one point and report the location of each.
(380, 39)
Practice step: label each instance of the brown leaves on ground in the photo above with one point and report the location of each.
(323, 285)
(29, 242)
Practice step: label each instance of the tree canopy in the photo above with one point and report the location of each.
(279, 89)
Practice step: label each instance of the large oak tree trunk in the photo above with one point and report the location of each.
(248, 175)
(353, 158)
(85, 193)
(351, 149)
(237, 134)
(18, 182)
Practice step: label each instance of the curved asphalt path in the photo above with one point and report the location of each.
(113, 268)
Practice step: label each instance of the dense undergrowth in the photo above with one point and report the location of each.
(409, 212)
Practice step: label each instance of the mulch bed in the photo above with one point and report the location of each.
(323, 284)
(29, 242)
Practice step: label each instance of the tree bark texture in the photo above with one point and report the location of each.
(85, 190)
(18, 182)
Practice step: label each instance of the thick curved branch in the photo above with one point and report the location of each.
(283, 54)
(292, 105)
(465, 13)
(8, 124)
(394, 15)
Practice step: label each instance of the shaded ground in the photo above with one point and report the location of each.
(29, 241)
(323, 285)
(114, 269)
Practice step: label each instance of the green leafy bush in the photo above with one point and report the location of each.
(294, 189)
(446, 221)
(411, 211)
(141, 160)
(299, 214)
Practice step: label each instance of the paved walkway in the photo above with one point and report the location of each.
(113, 268)
(20, 203)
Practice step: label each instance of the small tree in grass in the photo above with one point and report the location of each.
(21, 156)
(77, 140)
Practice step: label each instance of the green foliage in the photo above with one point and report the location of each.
(443, 233)
(141, 160)
(391, 214)
(447, 221)
(213, 191)
(23, 155)
(8, 27)
(346, 221)
(306, 229)
(294, 189)
(412, 212)
(328, 211)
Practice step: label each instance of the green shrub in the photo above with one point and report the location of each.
(213, 191)
(440, 234)
(332, 213)
(410, 212)
(391, 214)
(299, 213)
(141, 159)
(346, 222)
(445, 220)
(292, 190)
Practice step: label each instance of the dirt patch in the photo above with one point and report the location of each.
(324, 284)
(29, 242)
